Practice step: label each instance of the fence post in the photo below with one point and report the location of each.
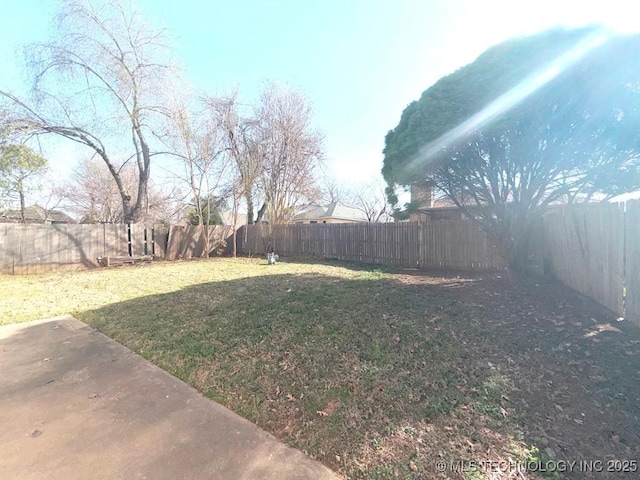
(421, 244)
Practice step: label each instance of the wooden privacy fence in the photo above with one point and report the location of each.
(32, 248)
(585, 246)
(458, 245)
(443, 244)
(595, 249)
(188, 241)
(39, 248)
(632, 261)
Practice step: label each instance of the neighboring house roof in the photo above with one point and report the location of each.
(227, 218)
(332, 211)
(35, 214)
(311, 212)
(443, 203)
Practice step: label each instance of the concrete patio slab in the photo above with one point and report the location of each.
(75, 404)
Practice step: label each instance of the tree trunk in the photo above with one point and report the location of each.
(21, 194)
(249, 199)
(206, 245)
(143, 156)
(127, 212)
(235, 225)
(263, 209)
(206, 241)
(235, 240)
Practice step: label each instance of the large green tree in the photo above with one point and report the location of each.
(18, 165)
(208, 214)
(533, 121)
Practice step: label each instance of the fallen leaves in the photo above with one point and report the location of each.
(602, 327)
(330, 409)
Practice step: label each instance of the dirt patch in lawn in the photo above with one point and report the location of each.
(398, 374)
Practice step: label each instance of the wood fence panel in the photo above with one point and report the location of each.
(115, 241)
(137, 232)
(36, 254)
(189, 241)
(19, 247)
(97, 246)
(457, 244)
(253, 238)
(35, 248)
(5, 255)
(193, 243)
(176, 235)
(32, 248)
(586, 246)
(632, 244)
(14, 258)
(160, 236)
(78, 244)
(240, 239)
(28, 262)
(221, 237)
(32, 258)
(390, 244)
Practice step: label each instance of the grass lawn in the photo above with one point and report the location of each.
(377, 374)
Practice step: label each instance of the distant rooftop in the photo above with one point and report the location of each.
(332, 211)
(35, 214)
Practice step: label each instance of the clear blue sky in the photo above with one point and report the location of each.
(358, 62)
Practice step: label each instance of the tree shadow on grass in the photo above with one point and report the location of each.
(385, 373)
(574, 367)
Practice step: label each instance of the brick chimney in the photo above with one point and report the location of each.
(422, 193)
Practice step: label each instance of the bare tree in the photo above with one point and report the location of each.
(333, 191)
(371, 199)
(54, 194)
(197, 140)
(241, 146)
(94, 197)
(290, 149)
(236, 193)
(97, 82)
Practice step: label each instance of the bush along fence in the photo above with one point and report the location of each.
(26, 249)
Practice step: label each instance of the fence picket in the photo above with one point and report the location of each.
(586, 249)
(632, 244)
(400, 244)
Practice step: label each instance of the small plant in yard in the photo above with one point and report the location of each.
(376, 373)
(544, 465)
